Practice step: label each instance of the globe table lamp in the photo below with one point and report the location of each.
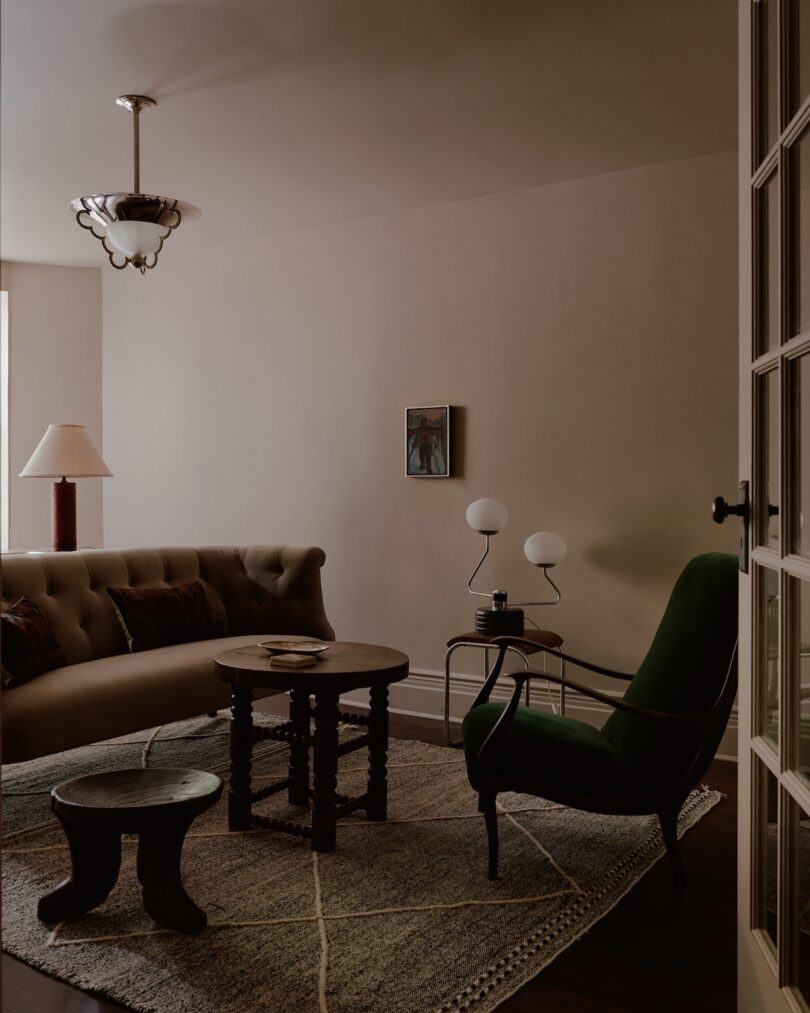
(65, 450)
(543, 549)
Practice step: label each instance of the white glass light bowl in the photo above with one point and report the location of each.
(487, 516)
(544, 548)
(135, 239)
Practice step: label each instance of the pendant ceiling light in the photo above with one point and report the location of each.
(135, 225)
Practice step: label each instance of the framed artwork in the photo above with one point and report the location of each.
(427, 442)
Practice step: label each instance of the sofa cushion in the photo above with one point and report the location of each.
(29, 646)
(108, 697)
(160, 616)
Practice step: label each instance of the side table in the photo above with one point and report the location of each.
(483, 641)
(341, 668)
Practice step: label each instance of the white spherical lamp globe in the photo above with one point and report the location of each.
(544, 548)
(487, 516)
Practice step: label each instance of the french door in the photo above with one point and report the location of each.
(774, 698)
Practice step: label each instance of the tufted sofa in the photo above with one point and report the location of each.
(104, 691)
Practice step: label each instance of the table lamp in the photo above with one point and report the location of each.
(543, 549)
(65, 450)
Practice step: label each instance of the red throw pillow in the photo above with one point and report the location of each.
(161, 616)
(29, 646)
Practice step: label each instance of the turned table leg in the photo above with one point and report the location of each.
(241, 758)
(298, 793)
(95, 857)
(377, 807)
(324, 813)
(164, 897)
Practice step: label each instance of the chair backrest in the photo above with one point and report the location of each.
(684, 671)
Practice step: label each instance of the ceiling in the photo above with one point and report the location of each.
(278, 115)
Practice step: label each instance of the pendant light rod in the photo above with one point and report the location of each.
(135, 103)
(136, 150)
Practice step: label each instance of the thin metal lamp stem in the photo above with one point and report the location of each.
(522, 604)
(482, 594)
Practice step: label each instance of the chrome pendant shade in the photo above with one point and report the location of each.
(132, 227)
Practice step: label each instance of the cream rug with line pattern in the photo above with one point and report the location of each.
(400, 919)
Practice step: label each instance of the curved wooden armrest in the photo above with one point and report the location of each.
(503, 642)
(611, 701)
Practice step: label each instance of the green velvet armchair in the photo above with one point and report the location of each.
(655, 746)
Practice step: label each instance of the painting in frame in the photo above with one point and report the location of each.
(427, 442)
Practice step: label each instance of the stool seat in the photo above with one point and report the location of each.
(159, 804)
(135, 792)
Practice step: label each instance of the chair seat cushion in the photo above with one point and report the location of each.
(547, 755)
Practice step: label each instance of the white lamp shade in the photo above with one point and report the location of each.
(487, 516)
(63, 451)
(135, 239)
(544, 548)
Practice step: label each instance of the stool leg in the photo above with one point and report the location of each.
(165, 899)
(324, 815)
(95, 857)
(377, 808)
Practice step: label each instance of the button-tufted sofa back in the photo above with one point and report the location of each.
(252, 589)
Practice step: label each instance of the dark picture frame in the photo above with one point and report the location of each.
(427, 441)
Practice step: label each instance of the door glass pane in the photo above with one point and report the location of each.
(801, 245)
(800, 438)
(802, 43)
(767, 660)
(768, 450)
(769, 74)
(802, 879)
(800, 672)
(765, 798)
(768, 288)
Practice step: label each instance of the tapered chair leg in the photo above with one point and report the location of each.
(668, 818)
(486, 805)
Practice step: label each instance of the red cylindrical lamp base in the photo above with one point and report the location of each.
(64, 516)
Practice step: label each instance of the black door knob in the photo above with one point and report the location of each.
(721, 510)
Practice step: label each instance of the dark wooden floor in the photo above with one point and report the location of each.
(652, 952)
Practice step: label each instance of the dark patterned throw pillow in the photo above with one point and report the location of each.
(29, 646)
(161, 616)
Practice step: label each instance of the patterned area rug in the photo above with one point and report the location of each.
(400, 919)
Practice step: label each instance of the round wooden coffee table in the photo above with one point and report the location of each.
(159, 804)
(341, 668)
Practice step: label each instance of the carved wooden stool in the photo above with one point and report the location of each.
(159, 805)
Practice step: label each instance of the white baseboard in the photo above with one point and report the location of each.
(422, 695)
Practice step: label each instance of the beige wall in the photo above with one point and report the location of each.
(55, 352)
(255, 392)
